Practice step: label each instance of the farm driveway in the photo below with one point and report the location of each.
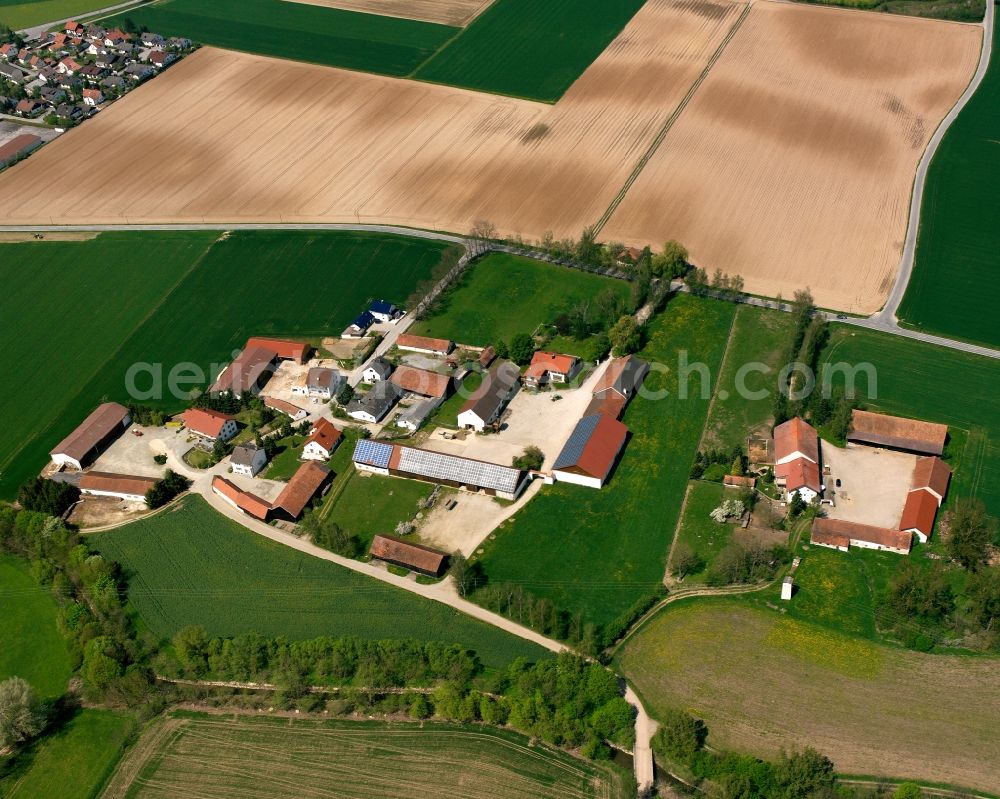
(474, 517)
(874, 483)
(533, 419)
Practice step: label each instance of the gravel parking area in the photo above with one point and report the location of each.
(532, 418)
(874, 483)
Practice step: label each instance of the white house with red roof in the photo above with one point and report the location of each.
(210, 424)
(92, 97)
(551, 367)
(322, 441)
(796, 459)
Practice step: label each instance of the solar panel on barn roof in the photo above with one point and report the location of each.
(372, 453)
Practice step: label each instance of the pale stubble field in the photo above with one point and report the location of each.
(791, 165)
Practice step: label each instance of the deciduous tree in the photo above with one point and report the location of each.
(22, 716)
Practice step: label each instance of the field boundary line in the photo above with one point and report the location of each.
(701, 441)
(665, 129)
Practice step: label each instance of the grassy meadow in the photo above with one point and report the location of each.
(503, 294)
(16, 14)
(32, 647)
(763, 682)
(701, 532)
(759, 340)
(72, 762)
(370, 504)
(167, 312)
(255, 756)
(529, 49)
(298, 31)
(937, 384)
(191, 565)
(599, 552)
(956, 280)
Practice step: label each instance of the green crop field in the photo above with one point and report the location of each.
(31, 647)
(16, 14)
(598, 552)
(532, 292)
(957, 10)
(939, 385)
(72, 762)
(300, 284)
(763, 682)
(957, 273)
(701, 532)
(529, 49)
(196, 754)
(759, 340)
(192, 565)
(329, 36)
(370, 504)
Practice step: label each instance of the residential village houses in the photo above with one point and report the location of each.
(64, 77)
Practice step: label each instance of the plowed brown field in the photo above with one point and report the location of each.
(445, 12)
(793, 163)
(228, 136)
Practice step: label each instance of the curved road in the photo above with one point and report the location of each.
(886, 319)
(443, 592)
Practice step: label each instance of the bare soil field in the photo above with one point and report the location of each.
(793, 163)
(238, 137)
(445, 12)
(763, 682)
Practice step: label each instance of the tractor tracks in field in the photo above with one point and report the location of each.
(669, 123)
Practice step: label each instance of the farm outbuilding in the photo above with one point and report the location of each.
(897, 432)
(414, 557)
(310, 479)
(123, 486)
(425, 344)
(285, 350)
(247, 374)
(591, 451)
(618, 384)
(243, 501)
(919, 513)
(841, 534)
(422, 382)
(440, 468)
(95, 434)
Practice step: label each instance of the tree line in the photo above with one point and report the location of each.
(958, 601)
(680, 745)
(566, 701)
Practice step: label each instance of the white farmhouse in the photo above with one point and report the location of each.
(248, 459)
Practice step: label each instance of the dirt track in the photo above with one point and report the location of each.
(444, 12)
(791, 165)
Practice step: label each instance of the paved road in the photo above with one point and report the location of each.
(877, 322)
(35, 31)
(886, 319)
